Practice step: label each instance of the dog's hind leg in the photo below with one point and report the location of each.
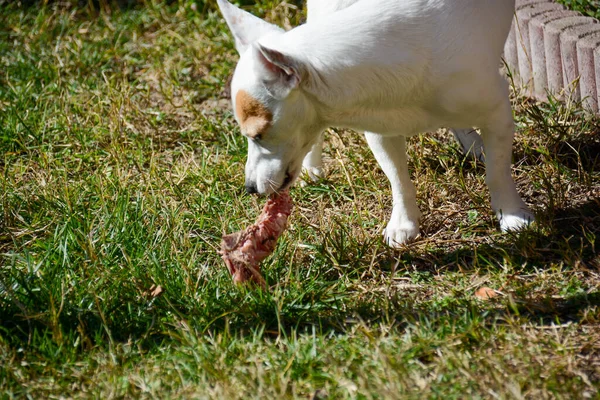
(470, 141)
(390, 153)
(312, 165)
(497, 134)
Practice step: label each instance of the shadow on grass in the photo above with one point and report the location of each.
(318, 312)
(573, 141)
(571, 241)
(575, 153)
(582, 152)
(557, 311)
(324, 302)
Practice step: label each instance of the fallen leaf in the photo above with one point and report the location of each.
(155, 291)
(486, 293)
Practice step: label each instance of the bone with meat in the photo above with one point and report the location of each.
(244, 250)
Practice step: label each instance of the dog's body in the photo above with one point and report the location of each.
(469, 139)
(390, 68)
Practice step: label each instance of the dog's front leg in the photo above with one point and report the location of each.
(312, 165)
(390, 153)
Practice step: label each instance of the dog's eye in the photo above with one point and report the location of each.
(257, 138)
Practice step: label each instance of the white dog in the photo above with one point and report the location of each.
(389, 68)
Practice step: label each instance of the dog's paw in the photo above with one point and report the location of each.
(396, 235)
(516, 221)
(310, 175)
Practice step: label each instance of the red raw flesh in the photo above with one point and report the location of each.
(244, 250)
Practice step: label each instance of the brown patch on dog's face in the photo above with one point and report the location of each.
(255, 119)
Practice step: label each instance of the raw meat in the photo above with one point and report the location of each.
(244, 250)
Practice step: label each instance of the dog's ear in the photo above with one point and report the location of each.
(245, 27)
(280, 72)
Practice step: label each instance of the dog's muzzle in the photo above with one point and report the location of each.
(251, 188)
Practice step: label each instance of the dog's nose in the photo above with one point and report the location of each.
(251, 188)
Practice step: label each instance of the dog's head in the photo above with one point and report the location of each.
(268, 102)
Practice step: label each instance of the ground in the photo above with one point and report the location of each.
(122, 167)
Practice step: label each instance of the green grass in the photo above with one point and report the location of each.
(122, 167)
(587, 7)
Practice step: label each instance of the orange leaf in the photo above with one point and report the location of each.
(486, 293)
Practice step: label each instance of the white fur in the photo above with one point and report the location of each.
(389, 68)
